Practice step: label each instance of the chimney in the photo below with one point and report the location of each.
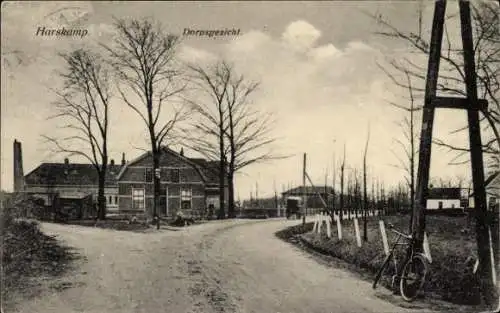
(182, 152)
(18, 167)
(123, 158)
(66, 161)
(112, 162)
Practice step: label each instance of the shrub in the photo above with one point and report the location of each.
(28, 252)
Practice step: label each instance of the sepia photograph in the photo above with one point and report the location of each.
(250, 156)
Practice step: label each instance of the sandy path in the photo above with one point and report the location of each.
(229, 266)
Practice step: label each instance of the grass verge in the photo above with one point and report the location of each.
(451, 278)
(122, 225)
(29, 257)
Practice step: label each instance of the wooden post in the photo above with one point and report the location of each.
(492, 256)
(304, 197)
(320, 223)
(384, 237)
(480, 205)
(427, 248)
(339, 228)
(424, 160)
(328, 226)
(356, 229)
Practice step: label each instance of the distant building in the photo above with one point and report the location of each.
(444, 198)
(313, 195)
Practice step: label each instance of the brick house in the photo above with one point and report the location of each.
(188, 184)
(72, 185)
(66, 187)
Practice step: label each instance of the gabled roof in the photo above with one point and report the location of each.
(444, 193)
(207, 169)
(69, 174)
(309, 190)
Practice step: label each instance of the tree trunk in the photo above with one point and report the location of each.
(222, 169)
(230, 185)
(156, 188)
(341, 208)
(365, 207)
(101, 198)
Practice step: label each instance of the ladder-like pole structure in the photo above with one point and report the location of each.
(473, 105)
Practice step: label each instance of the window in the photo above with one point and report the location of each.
(174, 175)
(186, 198)
(138, 199)
(116, 199)
(110, 200)
(148, 175)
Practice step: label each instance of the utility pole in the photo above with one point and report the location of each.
(304, 196)
(473, 105)
(276, 197)
(482, 227)
(257, 200)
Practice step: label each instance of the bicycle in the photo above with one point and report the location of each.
(412, 274)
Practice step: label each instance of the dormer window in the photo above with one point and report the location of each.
(174, 175)
(148, 175)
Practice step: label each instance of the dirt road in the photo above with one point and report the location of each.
(223, 266)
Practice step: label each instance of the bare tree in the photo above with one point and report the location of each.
(365, 195)
(356, 193)
(248, 133)
(229, 128)
(342, 168)
(208, 134)
(83, 108)
(409, 146)
(486, 50)
(142, 56)
(334, 194)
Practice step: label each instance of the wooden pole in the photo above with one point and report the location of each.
(427, 122)
(365, 195)
(341, 204)
(317, 192)
(304, 196)
(480, 205)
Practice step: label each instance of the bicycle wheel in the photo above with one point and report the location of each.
(413, 276)
(381, 270)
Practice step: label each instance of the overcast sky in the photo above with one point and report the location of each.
(316, 62)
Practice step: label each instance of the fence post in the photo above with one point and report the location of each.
(384, 237)
(329, 226)
(427, 249)
(339, 228)
(315, 223)
(320, 224)
(356, 228)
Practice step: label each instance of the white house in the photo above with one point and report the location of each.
(492, 191)
(444, 198)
